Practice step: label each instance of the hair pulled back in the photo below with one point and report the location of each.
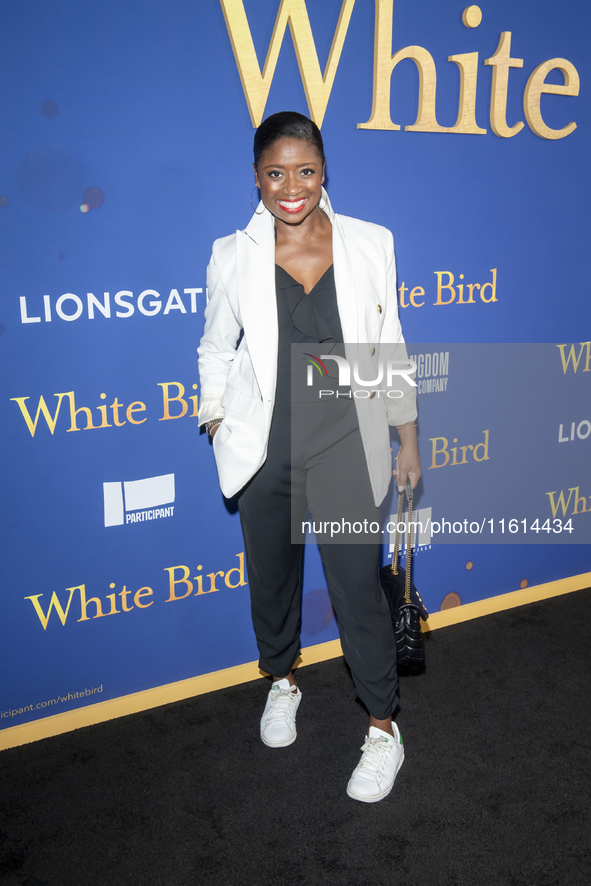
(286, 124)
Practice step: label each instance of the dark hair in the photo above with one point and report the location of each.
(286, 124)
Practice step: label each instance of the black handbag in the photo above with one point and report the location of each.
(406, 605)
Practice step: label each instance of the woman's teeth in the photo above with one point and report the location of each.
(291, 205)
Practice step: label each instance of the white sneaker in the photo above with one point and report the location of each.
(278, 727)
(373, 777)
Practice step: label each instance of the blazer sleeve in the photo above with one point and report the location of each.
(405, 409)
(217, 349)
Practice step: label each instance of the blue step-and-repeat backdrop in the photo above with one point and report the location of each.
(126, 138)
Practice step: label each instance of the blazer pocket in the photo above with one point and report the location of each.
(222, 434)
(238, 402)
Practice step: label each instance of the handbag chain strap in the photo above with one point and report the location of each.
(409, 495)
(397, 536)
(408, 542)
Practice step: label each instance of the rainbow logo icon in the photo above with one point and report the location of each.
(315, 362)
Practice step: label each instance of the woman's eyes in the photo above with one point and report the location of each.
(276, 173)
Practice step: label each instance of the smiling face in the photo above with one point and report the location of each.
(290, 174)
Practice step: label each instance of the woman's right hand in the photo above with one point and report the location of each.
(212, 426)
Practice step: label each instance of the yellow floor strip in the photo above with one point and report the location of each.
(161, 695)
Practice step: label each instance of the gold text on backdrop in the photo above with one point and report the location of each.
(256, 85)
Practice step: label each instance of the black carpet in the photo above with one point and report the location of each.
(494, 788)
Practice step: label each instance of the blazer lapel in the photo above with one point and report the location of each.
(255, 266)
(344, 277)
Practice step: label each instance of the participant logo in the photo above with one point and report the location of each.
(135, 501)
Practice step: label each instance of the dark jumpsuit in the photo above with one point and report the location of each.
(315, 461)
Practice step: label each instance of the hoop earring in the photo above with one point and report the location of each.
(320, 206)
(254, 210)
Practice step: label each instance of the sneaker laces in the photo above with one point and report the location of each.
(281, 703)
(375, 754)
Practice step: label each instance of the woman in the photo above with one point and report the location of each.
(301, 275)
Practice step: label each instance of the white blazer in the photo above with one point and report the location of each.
(238, 351)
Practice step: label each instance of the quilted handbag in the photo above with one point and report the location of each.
(406, 605)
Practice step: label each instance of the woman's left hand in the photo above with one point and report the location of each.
(408, 463)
